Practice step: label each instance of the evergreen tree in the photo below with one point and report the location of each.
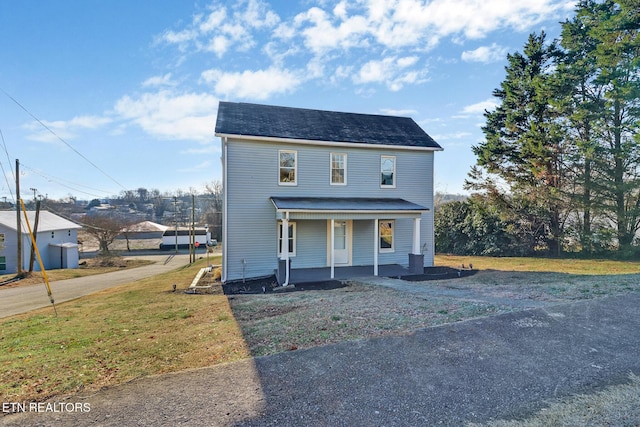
(525, 140)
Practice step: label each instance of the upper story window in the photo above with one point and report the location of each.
(388, 171)
(288, 167)
(338, 169)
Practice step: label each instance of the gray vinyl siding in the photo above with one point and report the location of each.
(252, 177)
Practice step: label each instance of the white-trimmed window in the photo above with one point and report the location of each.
(338, 169)
(288, 167)
(385, 233)
(2, 241)
(3, 263)
(292, 238)
(388, 171)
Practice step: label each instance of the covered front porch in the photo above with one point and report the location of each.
(360, 238)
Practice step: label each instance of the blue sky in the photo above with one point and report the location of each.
(125, 93)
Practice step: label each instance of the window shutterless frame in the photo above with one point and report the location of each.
(292, 238)
(386, 231)
(287, 167)
(388, 171)
(338, 168)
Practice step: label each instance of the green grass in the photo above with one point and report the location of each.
(553, 265)
(116, 335)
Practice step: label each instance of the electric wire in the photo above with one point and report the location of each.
(3, 171)
(61, 139)
(69, 184)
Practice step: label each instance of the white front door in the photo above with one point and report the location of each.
(341, 242)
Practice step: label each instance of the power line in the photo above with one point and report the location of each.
(9, 186)
(57, 180)
(60, 138)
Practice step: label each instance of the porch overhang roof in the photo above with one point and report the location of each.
(345, 207)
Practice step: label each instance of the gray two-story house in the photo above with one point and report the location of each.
(324, 192)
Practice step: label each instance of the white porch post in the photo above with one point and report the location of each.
(376, 227)
(333, 246)
(284, 247)
(416, 236)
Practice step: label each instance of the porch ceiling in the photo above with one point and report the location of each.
(345, 207)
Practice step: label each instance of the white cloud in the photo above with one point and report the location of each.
(159, 81)
(204, 165)
(165, 114)
(485, 54)
(390, 71)
(260, 84)
(403, 113)
(480, 107)
(452, 136)
(65, 129)
(224, 27)
(370, 42)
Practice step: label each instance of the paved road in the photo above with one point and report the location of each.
(498, 367)
(22, 299)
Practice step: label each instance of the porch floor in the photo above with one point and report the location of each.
(310, 275)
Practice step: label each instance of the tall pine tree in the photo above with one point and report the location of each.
(524, 142)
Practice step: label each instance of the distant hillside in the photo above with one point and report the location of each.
(441, 198)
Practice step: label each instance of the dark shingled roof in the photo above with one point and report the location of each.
(344, 204)
(318, 125)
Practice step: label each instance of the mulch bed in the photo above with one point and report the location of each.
(439, 273)
(269, 284)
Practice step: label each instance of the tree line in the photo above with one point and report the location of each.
(559, 167)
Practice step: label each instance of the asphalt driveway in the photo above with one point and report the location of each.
(22, 299)
(499, 367)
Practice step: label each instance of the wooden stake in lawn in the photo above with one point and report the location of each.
(35, 247)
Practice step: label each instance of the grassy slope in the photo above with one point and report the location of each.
(116, 335)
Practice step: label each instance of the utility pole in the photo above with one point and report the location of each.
(35, 191)
(18, 221)
(192, 238)
(175, 218)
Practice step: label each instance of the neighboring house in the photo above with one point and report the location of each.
(57, 240)
(308, 189)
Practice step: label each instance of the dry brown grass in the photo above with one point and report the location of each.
(614, 406)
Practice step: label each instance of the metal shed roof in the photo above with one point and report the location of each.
(46, 222)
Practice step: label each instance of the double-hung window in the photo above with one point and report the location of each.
(292, 239)
(385, 232)
(338, 169)
(288, 167)
(387, 171)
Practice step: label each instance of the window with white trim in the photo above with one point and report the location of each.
(288, 165)
(385, 232)
(292, 238)
(1, 240)
(388, 171)
(338, 169)
(3, 263)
